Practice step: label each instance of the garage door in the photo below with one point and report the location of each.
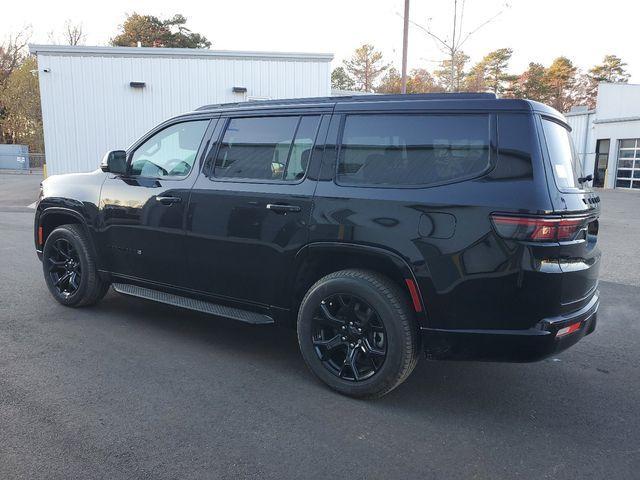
(628, 173)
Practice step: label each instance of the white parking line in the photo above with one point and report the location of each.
(33, 205)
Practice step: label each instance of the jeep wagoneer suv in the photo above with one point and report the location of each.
(377, 226)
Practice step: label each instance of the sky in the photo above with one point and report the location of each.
(536, 30)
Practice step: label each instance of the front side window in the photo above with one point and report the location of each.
(565, 163)
(413, 149)
(266, 148)
(170, 152)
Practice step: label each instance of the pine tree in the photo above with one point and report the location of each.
(611, 70)
(150, 31)
(341, 80)
(562, 82)
(531, 84)
(496, 64)
(365, 66)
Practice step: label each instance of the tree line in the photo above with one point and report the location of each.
(560, 84)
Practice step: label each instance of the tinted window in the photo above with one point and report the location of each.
(301, 148)
(266, 148)
(564, 161)
(515, 147)
(170, 152)
(413, 149)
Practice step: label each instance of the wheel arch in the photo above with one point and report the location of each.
(315, 260)
(51, 218)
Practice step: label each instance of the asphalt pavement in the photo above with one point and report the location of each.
(132, 389)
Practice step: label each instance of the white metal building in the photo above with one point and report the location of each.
(608, 138)
(96, 99)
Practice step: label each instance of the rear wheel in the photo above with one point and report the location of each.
(357, 333)
(70, 269)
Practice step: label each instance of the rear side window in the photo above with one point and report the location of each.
(266, 148)
(564, 160)
(413, 149)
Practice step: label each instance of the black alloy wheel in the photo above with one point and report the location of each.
(64, 267)
(349, 337)
(357, 333)
(69, 267)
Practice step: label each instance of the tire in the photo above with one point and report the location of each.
(390, 329)
(67, 251)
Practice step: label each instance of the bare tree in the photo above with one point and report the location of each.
(452, 46)
(73, 33)
(12, 53)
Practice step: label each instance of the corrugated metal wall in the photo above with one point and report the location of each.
(88, 106)
(581, 132)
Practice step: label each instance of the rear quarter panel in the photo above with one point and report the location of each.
(467, 275)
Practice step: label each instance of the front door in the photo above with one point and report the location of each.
(249, 216)
(142, 213)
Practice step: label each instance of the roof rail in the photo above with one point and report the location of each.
(280, 101)
(355, 98)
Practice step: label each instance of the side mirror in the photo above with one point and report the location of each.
(114, 161)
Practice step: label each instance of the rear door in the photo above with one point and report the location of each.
(248, 216)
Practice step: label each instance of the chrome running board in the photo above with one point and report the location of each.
(193, 304)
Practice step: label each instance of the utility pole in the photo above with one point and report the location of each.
(405, 45)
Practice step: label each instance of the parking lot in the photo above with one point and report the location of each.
(132, 389)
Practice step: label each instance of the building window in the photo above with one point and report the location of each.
(628, 174)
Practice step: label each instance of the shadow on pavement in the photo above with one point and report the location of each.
(463, 390)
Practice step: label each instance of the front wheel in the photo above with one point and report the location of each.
(357, 333)
(70, 269)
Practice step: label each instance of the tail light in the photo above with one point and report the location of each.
(538, 229)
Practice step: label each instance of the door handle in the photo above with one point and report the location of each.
(280, 208)
(168, 200)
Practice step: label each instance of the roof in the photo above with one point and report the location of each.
(426, 101)
(84, 51)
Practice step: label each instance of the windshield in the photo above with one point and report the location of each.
(564, 160)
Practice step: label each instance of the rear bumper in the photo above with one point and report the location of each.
(512, 345)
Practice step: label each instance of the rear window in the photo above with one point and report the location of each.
(564, 160)
(413, 149)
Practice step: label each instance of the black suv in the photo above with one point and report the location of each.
(378, 226)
